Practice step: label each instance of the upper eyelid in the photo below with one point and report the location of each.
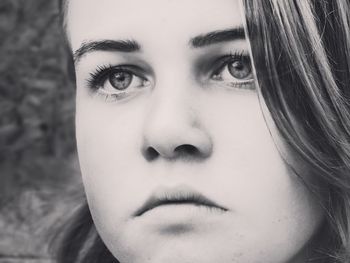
(220, 63)
(133, 63)
(127, 68)
(99, 76)
(224, 60)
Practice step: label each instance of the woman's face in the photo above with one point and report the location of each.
(177, 160)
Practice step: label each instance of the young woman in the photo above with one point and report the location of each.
(211, 132)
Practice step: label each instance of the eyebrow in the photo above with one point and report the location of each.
(216, 37)
(106, 45)
(129, 46)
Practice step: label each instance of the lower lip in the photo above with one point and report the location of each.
(181, 214)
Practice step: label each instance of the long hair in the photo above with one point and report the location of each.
(80, 243)
(301, 53)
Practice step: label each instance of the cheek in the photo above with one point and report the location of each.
(270, 201)
(108, 141)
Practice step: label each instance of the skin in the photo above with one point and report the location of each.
(270, 215)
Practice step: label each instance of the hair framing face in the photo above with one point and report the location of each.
(304, 81)
(301, 52)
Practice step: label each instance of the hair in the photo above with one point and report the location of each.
(301, 54)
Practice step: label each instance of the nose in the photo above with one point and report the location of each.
(173, 130)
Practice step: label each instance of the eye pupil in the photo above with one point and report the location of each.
(238, 65)
(240, 69)
(120, 80)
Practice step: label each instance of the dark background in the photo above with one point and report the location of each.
(40, 182)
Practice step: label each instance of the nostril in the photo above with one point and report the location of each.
(186, 149)
(181, 151)
(151, 154)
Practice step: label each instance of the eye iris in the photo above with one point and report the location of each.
(120, 80)
(239, 69)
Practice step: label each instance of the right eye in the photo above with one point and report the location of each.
(120, 80)
(116, 80)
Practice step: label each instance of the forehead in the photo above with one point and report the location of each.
(148, 21)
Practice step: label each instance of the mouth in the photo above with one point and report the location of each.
(180, 195)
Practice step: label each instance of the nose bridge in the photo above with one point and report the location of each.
(172, 99)
(170, 115)
(173, 126)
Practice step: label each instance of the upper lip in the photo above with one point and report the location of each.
(176, 195)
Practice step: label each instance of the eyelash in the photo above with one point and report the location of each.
(222, 61)
(100, 74)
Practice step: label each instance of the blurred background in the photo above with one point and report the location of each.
(40, 181)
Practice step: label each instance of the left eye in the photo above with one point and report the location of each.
(235, 70)
(240, 69)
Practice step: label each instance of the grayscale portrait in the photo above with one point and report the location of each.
(208, 131)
